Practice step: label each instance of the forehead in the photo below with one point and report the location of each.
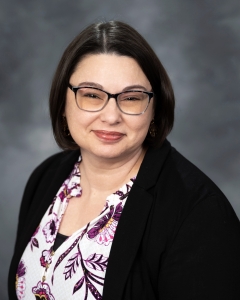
(110, 71)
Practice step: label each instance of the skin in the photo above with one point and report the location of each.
(110, 141)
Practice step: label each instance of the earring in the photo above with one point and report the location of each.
(66, 131)
(152, 129)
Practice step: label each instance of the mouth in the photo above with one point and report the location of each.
(108, 135)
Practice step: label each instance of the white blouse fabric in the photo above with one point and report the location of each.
(76, 270)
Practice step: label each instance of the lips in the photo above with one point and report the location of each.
(108, 135)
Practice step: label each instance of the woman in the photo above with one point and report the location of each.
(134, 219)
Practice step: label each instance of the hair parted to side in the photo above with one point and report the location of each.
(121, 39)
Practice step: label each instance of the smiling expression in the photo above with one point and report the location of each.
(108, 133)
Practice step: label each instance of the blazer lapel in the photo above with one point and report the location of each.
(132, 223)
(47, 189)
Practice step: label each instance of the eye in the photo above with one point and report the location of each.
(91, 95)
(132, 96)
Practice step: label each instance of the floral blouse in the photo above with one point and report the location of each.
(76, 270)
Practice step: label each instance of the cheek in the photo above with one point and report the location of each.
(72, 112)
(71, 115)
(79, 122)
(139, 128)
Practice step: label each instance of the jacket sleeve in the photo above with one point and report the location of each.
(203, 261)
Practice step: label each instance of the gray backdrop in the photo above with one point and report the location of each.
(197, 41)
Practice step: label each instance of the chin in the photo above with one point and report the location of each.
(110, 154)
(115, 153)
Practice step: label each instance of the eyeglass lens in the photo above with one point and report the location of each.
(132, 102)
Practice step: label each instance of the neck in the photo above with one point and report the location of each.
(107, 175)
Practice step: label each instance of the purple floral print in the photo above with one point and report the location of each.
(46, 258)
(50, 229)
(62, 256)
(34, 241)
(95, 262)
(123, 195)
(20, 280)
(63, 194)
(104, 230)
(52, 206)
(71, 186)
(42, 291)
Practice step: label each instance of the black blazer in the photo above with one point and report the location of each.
(178, 236)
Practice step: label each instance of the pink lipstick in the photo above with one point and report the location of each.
(108, 136)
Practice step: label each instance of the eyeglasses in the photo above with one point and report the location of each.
(94, 99)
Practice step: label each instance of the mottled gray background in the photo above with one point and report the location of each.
(198, 43)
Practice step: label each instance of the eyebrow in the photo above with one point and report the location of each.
(91, 84)
(135, 86)
(99, 86)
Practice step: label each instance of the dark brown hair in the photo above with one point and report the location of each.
(121, 39)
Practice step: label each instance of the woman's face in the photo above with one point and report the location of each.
(108, 133)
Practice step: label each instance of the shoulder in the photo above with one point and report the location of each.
(182, 192)
(187, 178)
(52, 163)
(44, 172)
(174, 180)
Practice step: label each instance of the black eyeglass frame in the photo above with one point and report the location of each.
(115, 96)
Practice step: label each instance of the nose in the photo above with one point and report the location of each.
(111, 112)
